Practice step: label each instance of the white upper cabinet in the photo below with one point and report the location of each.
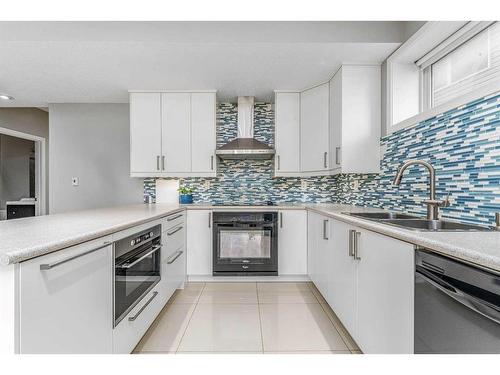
(176, 132)
(172, 134)
(145, 132)
(287, 133)
(203, 132)
(355, 119)
(314, 129)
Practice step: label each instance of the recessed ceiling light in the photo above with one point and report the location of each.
(6, 97)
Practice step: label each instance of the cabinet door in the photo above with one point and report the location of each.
(342, 277)
(313, 237)
(292, 242)
(314, 125)
(336, 120)
(67, 308)
(176, 138)
(145, 132)
(199, 242)
(203, 132)
(287, 120)
(318, 249)
(385, 294)
(361, 127)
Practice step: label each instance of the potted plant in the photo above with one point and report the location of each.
(185, 195)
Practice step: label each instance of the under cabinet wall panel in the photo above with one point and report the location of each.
(292, 242)
(68, 307)
(203, 132)
(287, 133)
(176, 132)
(199, 242)
(145, 133)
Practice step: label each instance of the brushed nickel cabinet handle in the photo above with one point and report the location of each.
(356, 245)
(170, 218)
(132, 318)
(163, 162)
(325, 223)
(174, 257)
(337, 155)
(281, 219)
(212, 162)
(48, 266)
(158, 162)
(278, 162)
(324, 159)
(174, 231)
(210, 220)
(352, 232)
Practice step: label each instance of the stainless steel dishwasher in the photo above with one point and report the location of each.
(457, 306)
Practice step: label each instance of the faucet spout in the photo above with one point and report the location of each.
(432, 204)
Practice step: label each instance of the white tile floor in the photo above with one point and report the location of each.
(247, 318)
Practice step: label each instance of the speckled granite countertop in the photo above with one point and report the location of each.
(481, 248)
(27, 238)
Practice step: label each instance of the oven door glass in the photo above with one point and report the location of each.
(135, 275)
(244, 243)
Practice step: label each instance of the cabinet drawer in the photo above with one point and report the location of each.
(173, 220)
(127, 334)
(174, 238)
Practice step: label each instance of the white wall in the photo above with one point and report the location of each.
(91, 142)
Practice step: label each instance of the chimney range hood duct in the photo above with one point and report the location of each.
(245, 146)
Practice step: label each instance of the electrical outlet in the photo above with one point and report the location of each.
(74, 181)
(207, 184)
(355, 185)
(303, 184)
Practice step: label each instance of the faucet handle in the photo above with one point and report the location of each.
(446, 202)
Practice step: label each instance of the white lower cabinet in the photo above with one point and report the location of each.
(292, 242)
(66, 300)
(369, 282)
(199, 242)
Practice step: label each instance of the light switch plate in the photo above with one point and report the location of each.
(303, 184)
(74, 181)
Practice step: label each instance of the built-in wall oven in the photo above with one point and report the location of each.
(457, 306)
(137, 264)
(245, 243)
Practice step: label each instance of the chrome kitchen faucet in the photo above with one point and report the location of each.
(432, 204)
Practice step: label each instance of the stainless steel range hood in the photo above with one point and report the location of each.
(245, 146)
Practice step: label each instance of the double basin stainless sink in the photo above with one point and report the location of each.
(417, 224)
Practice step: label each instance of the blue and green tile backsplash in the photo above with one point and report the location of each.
(463, 144)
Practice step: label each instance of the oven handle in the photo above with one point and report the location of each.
(478, 305)
(154, 249)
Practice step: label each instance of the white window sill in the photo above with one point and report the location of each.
(490, 89)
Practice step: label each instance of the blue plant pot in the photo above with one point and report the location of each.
(185, 198)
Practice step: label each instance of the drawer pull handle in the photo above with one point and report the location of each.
(132, 318)
(48, 266)
(174, 231)
(174, 257)
(173, 217)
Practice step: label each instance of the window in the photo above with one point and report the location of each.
(467, 68)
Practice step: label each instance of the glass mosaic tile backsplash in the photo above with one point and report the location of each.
(463, 144)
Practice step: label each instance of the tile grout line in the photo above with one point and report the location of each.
(260, 318)
(190, 317)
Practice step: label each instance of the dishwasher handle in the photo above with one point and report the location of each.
(485, 308)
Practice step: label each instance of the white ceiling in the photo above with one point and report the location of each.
(98, 62)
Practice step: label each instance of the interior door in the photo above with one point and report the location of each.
(314, 134)
(145, 132)
(176, 132)
(203, 132)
